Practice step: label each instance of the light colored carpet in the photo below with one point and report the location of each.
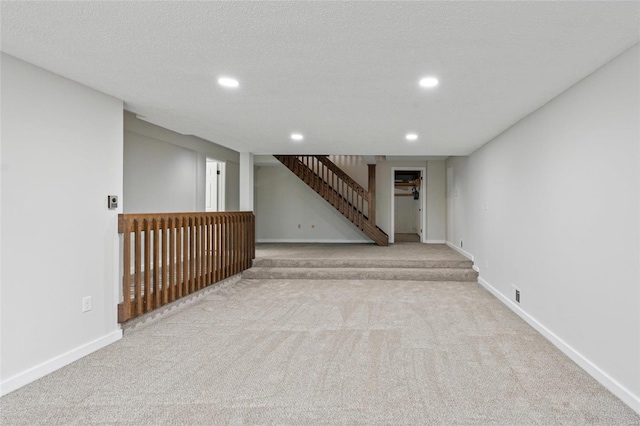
(401, 251)
(326, 352)
(403, 262)
(406, 274)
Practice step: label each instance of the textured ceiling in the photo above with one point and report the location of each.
(345, 74)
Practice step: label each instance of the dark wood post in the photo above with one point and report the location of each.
(372, 194)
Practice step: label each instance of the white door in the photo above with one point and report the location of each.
(214, 199)
(407, 214)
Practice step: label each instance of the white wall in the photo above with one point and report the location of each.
(436, 201)
(247, 181)
(275, 227)
(61, 156)
(283, 202)
(434, 191)
(166, 171)
(552, 206)
(355, 166)
(159, 176)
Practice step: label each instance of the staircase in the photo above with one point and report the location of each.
(340, 190)
(361, 269)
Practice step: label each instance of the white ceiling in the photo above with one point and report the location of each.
(345, 74)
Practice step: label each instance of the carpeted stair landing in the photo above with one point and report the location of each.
(362, 269)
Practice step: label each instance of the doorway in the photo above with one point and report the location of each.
(215, 193)
(408, 217)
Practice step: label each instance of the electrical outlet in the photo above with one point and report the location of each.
(516, 294)
(86, 304)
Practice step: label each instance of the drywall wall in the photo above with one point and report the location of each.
(283, 202)
(436, 201)
(61, 156)
(355, 166)
(551, 206)
(247, 180)
(166, 171)
(433, 189)
(159, 176)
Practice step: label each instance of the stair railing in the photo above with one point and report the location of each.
(349, 197)
(166, 256)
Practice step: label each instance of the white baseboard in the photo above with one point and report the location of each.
(602, 377)
(285, 240)
(41, 370)
(436, 242)
(475, 268)
(459, 250)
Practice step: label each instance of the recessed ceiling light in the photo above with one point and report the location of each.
(297, 136)
(429, 82)
(228, 82)
(411, 137)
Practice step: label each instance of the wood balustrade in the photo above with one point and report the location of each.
(166, 256)
(340, 190)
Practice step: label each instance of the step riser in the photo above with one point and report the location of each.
(361, 263)
(333, 274)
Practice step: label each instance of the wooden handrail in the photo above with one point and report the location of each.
(176, 254)
(324, 176)
(339, 190)
(372, 193)
(341, 174)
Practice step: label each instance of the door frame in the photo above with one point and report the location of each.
(450, 206)
(423, 202)
(221, 183)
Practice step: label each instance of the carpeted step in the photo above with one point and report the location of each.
(360, 263)
(403, 274)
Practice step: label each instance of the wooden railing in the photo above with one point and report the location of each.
(340, 190)
(166, 256)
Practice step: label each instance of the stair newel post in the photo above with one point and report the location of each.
(372, 194)
(341, 191)
(306, 170)
(316, 184)
(313, 173)
(360, 210)
(324, 180)
(124, 309)
(301, 168)
(318, 175)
